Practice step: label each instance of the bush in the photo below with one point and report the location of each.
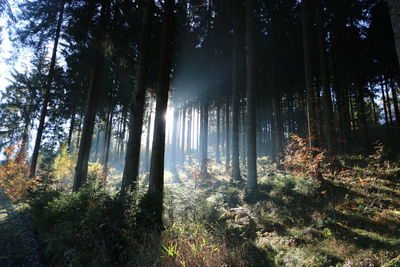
(14, 175)
(300, 159)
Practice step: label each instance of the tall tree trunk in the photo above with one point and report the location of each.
(199, 125)
(278, 125)
(147, 152)
(71, 131)
(362, 114)
(107, 144)
(236, 94)
(373, 105)
(122, 140)
(384, 102)
(227, 134)
(389, 103)
(132, 157)
(204, 136)
(46, 96)
(91, 105)
(395, 102)
(394, 8)
(217, 148)
(25, 135)
(182, 151)
(97, 145)
(251, 103)
(78, 136)
(174, 143)
(329, 122)
(189, 135)
(243, 132)
(307, 38)
(156, 179)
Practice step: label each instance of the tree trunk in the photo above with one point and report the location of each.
(217, 148)
(362, 114)
(156, 178)
(25, 135)
(384, 102)
(97, 145)
(189, 136)
(251, 103)
(307, 37)
(71, 131)
(91, 105)
(227, 134)
(388, 102)
(132, 157)
(46, 96)
(236, 94)
(107, 143)
(394, 8)
(395, 102)
(182, 151)
(174, 143)
(147, 152)
(204, 136)
(329, 122)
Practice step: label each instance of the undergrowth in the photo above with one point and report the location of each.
(348, 218)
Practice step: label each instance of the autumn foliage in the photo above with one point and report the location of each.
(14, 174)
(301, 159)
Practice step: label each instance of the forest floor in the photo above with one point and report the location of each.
(350, 217)
(17, 244)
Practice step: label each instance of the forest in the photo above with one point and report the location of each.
(199, 133)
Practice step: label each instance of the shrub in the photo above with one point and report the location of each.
(301, 159)
(63, 168)
(14, 175)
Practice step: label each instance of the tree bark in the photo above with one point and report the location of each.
(132, 157)
(71, 131)
(395, 102)
(91, 105)
(227, 134)
(107, 143)
(46, 96)
(251, 103)
(204, 136)
(217, 147)
(182, 151)
(307, 19)
(329, 122)
(189, 136)
(236, 94)
(156, 178)
(174, 143)
(147, 152)
(394, 9)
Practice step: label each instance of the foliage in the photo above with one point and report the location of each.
(14, 175)
(300, 158)
(63, 168)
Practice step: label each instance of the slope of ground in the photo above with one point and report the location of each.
(17, 244)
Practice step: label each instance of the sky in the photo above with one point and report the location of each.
(6, 50)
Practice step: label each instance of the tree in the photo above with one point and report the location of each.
(91, 105)
(156, 178)
(46, 95)
(132, 157)
(329, 123)
(251, 102)
(394, 7)
(236, 94)
(307, 19)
